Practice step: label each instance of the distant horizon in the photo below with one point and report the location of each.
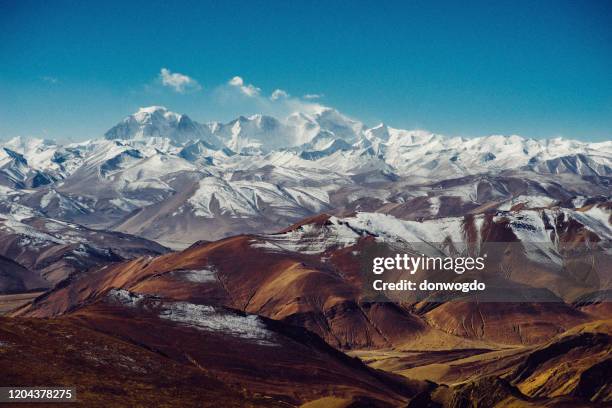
(540, 70)
(367, 125)
(206, 122)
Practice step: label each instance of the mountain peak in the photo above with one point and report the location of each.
(158, 121)
(380, 131)
(149, 112)
(152, 109)
(24, 142)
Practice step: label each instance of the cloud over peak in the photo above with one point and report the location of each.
(180, 83)
(251, 98)
(246, 89)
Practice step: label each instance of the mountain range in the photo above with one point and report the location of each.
(163, 176)
(223, 263)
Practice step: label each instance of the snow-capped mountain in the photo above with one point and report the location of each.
(33, 164)
(157, 121)
(255, 134)
(543, 231)
(337, 142)
(163, 176)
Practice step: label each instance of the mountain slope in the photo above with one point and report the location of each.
(312, 275)
(52, 250)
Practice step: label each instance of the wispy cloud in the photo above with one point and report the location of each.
(180, 83)
(240, 97)
(247, 89)
(312, 96)
(278, 94)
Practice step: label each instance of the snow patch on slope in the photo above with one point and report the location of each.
(203, 317)
(310, 239)
(343, 232)
(197, 275)
(530, 201)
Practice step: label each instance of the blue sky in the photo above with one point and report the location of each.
(71, 69)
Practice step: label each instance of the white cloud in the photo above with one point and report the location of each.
(248, 89)
(236, 81)
(243, 97)
(312, 96)
(278, 94)
(178, 82)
